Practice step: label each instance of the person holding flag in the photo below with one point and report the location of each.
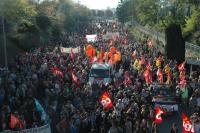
(106, 101)
(158, 115)
(187, 125)
(160, 76)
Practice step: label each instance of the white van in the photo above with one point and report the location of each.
(100, 74)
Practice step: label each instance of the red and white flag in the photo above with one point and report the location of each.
(160, 76)
(111, 42)
(57, 72)
(134, 53)
(148, 76)
(106, 101)
(158, 118)
(75, 79)
(125, 41)
(187, 125)
(127, 79)
(72, 55)
(181, 66)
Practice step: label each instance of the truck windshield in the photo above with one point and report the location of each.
(99, 73)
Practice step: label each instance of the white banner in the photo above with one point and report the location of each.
(111, 35)
(68, 50)
(91, 38)
(43, 129)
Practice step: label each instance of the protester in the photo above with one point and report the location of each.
(49, 86)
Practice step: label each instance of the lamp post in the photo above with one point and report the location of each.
(5, 46)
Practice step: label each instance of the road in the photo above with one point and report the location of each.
(174, 118)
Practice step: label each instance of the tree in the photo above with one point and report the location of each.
(100, 13)
(108, 13)
(123, 11)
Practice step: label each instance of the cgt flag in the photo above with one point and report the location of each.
(181, 66)
(187, 125)
(57, 72)
(158, 118)
(106, 101)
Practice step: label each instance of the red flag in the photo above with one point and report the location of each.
(93, 59)
(159, 112)
(14, 121)
(142, 60)
(149, 65)
(57, 71)
(118, 38)
(111, 42)
(182, 83)
(106, 101)
(148, 76)
(75, 79)
(101, 55)
(169, 78)
(127, 79)
(125, 41)
(187, 125)
(72, 55)
(181, 66)
(160, 76)
(134, 53)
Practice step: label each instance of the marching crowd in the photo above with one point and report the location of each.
(30, 87)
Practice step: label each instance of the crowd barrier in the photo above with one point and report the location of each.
(43, 129)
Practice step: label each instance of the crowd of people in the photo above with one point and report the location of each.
(72, 108)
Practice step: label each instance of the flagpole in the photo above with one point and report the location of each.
(5, 46)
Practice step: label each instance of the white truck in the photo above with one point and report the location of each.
(100, 74)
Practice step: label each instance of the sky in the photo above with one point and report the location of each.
(99, 4)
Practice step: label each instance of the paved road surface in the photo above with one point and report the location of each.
(169, 120)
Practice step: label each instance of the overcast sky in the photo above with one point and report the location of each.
(99, 4)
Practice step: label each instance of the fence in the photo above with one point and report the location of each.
(43, 129)
(161, 37)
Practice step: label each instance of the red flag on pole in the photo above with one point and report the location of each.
(106, 101)
(57, 71)
(111, 42)
(101, 55)
(125, 41)
(127, 79)
(181, 66)
(187, 125)
(72, 55)
(148, 76)
(160, 76)
(14, 121)
(159, 112)
(75, 79)
(182, 75)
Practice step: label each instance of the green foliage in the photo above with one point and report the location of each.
(123, 11)
(16, 10)
(43, 22)
(108, 13)
(29, 23)
(146, 12)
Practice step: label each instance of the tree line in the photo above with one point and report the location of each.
(159, 14)
(30, 23)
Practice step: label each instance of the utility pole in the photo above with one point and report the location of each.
(5, 48)
(78, 16)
